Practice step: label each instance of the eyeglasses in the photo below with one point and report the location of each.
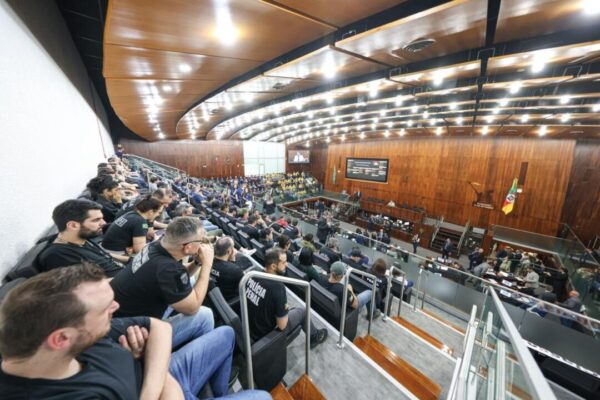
(196, 241)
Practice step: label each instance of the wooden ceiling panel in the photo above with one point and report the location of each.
(455, 26)
(137, 62)
(144, 87)
(265, 83)
(352, 10)
(325, 64)
(579, 53)
(232, 28)
(520, 19)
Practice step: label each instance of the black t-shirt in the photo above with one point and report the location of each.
(109, 209)
(251, 231)
(337, 289)
(291, 231)
(331, 254)
(109, 372)
(121, 232)
(150, 283)
(267, 301)
(228, 276)
(57, 255)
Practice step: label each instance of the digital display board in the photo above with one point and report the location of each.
(367, 169)
(298, 156)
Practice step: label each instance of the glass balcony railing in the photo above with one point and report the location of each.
(544, 324)
(496, 362)
(572, 253)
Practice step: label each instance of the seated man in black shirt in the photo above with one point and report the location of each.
(58, 340)
(105, 191)
(292, 230)
(156, 279)
(225, 271)
(267, 303)
(331, 250)
(127, 234)
(250, 228)
(284, 243)
(333, 283)
(77, 221)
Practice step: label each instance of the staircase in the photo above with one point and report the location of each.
(303, 389)
(443, 234)
(424, 335)
(411, 378)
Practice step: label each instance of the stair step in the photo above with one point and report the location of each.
(279, 392)
(443, 321)
(423, 335)
(411, 378)
(305, 389)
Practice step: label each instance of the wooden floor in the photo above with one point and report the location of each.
(411, 378)
(305, 389)
(423, 335)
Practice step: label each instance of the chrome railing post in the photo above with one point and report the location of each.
(340, 343)
(418, 289)
(246, 321)
(425, 289)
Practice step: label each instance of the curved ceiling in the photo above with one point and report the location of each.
(300, 72)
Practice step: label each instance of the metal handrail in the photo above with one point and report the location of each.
(536, 380)
(386, 312)
(350, 270)
(463, 238)
(154, 162)
(246, 322)
(438, 225)
(461, 373)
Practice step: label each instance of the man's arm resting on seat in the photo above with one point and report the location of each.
(282, 323)
(138, 244)
(156, 360)
(191, 304)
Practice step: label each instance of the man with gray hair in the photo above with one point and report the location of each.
(225, 271)
(331, 250)
(157, 279)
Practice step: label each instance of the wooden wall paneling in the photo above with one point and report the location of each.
(582, 203)
(199, 158)
(434, 174)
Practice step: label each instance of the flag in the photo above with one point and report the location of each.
(509, 202)
(333, 175)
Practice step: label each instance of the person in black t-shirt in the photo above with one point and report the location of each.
(284, 244)
(331, 250)
(267, 303)
(156, 279)
(250, 228)
(128, 232)
(334, 284)
(324, 227)
(105, 191)
(77, 221)
(59, 341)
(225, 271)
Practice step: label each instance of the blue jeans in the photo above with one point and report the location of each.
(364, 298)
(189, 327)
(207, 359)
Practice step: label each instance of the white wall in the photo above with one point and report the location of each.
(50, 137)
(263, 158)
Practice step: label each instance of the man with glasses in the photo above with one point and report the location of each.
(157, 279)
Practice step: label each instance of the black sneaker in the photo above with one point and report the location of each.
(318, 338)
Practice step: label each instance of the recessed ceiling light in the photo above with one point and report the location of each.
(485, 130)
(399, 101)
(496, 110)
(590, 7)
(386, 133)
(565, 118)
(167, 88)
(409, 122)
(504, 102)
(452, 106)
(565, 99)
(438, 130)
(543, 130)
(402, 132)
(515, 87)
(415, 109)
(459, 120)
(426, 114)
(524, 118)
(596, 107)
(185, 68)
(489, 119)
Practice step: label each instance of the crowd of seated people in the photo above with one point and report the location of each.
(97, 320)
